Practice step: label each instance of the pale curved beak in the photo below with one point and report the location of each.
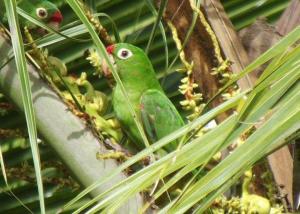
(54, 25)
(105, 68)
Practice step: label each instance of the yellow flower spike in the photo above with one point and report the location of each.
(209, 30)
(184, 80)
(197, 97)
(178, 44)
(58, 64)
(40, 56)
(226, 96)
(183, 87)
(214, 72)
(187, 108)
(192, 103)
(81, 79)
(278, 209)
(253, 203)
(95, 61)
(187, 86)
(83, 75)
(181, 70)
(195, 85)
(182, 91)
(94, 58)
(226, 75)
(184, 102)
(223, 81)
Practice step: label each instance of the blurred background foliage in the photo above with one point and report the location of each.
(134, 21)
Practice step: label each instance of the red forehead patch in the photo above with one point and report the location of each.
(110, 49)
(57, 17)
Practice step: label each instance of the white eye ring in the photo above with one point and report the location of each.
(41, 13)
(124, 53)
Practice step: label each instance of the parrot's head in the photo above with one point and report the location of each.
(48, 13)
(127, 58)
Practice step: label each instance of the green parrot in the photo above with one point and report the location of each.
(42, 10)
(156, 112)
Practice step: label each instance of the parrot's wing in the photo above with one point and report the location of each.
(159, 116)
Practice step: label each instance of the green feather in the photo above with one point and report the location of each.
(155, 111)
(160, 115)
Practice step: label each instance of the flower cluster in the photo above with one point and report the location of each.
(95, 60)
(223, 70)
(91, 104)
(192, 99)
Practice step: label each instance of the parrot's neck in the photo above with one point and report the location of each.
(136, 79)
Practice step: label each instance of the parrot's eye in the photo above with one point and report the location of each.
(41, 12)
(124, 53)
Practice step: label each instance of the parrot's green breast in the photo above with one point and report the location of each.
(122, 112)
